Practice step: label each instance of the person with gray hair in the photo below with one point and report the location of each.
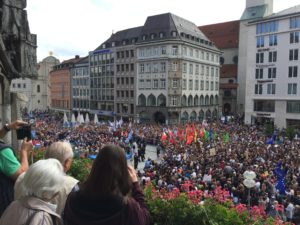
(41, 183)
(62, 151)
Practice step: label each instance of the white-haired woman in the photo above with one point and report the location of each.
(41, 183)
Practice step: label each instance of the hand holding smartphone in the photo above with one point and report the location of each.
(24, 131)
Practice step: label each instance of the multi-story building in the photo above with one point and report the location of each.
(80, 86)
(23, 86)
(60, 85)
(40, 97)
(177, 72)
(226, 37)
(112, 71)
(268, 65)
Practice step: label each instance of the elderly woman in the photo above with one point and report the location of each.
(41, 183)
(110, 195)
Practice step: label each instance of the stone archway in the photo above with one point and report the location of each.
(159, 117)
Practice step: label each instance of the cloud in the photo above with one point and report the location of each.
(75, 27)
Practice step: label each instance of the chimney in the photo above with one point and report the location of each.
(76, 56)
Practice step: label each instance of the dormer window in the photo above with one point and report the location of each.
(187, 36)
(113, 44)
(174, 33)
(103, 46)
(144, 37)
(182, 34)
(161, 34)
(133, 40)
(124, 42)
(152, 36)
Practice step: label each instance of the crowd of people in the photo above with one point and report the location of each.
(203, 155)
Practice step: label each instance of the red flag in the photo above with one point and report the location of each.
(179, 134)
(163, 137)
(189, 139)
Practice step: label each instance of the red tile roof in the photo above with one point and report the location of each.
(228, 70)
(224, 35)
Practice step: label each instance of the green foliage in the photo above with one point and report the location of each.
(290, 132)
(269, 129)
(80, 168)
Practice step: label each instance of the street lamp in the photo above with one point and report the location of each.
(249, 182)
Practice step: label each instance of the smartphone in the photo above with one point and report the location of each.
(23, 132)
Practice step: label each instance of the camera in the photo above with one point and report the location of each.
(23, 132)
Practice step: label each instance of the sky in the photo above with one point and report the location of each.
(75, 27)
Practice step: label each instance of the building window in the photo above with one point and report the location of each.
(273, 40)
(259, 73)
(272, 56)
(174, 50)
(260, 57)
(197, 69)
(184, 51)
(271, 89)
(207, 85)
(38, 89)
(163, 84)
(148, 68)
(162, 67)
(191, 67)
(272, 72)
(142, 84)
(202, 70)
(211, 85)
(295, 22)
(293, 106)
(174, 83)
(258, 89)
(260, 41)
(293, 71)
(190, 84)
(217, 86)
(191, 52)
(24, 86)
(184, 70)
(163, 50)
(155, 83)
(292, 89)
(19, 85)
(148, 84)
(14, 85)
(293, 54)
(184, 84)
(294, 37)
(267, 27)
(197, 85)
(202, 85)
(174, 101)
(227, 93)
(174, 66)
(155, 67)
(264, 106)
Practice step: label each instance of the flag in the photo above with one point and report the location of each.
(202, 132)
(179, 134)
(130, 136)
(226, 138)
(210, 135)
(189, 139)
(206, 135)
(163, 137)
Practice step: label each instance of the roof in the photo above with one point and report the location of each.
(156, 25)
(122, 35)
(291, 10)
(255, 12)
(228, 70)
(224, 35)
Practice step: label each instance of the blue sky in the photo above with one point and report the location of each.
(75, 27)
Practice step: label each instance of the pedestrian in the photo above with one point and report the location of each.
(136, 161)
(104, 197)
(10, 167)
(41, 183)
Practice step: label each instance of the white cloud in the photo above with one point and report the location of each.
(71, 27)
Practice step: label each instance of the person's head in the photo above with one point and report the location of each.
(43, 179)
(62, 151)
(109, 173)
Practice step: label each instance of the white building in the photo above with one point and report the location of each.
(177, 71)
(269, 64)
(36, 90)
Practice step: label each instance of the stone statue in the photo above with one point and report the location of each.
(19, 43)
